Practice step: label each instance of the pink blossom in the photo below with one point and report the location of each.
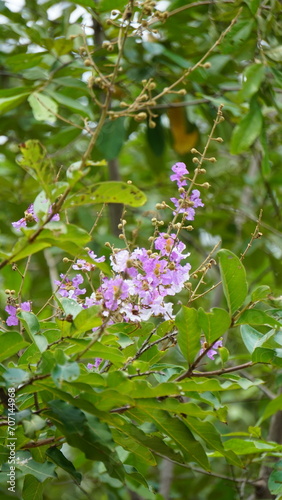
(180, 170)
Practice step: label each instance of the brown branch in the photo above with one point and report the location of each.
(190, 373)
(43, 442)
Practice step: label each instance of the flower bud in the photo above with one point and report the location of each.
(140, 117)
(87, 62)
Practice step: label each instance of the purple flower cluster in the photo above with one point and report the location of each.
(186, 203)
(140, 283)
(12, 319)
(30, 216)
(70, 288)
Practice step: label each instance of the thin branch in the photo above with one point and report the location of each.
(189, 373)
(202, 471)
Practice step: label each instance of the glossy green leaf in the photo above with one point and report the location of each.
(128, 443)
(257, 317)
(252, 79)
(189, 332)
(61, 461)
(260, 293)
(11, 343)
(233, 277)
(86, 320)
(247, 131)
(214, 324)
(108, 192)
(32, 327)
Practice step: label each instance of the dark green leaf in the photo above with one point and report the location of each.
(189, 332)
(61, 461)
(214, 324)
(233, 277)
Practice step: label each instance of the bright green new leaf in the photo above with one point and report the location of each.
(189, 332)
(43, 107)
(233, 277)
(214, 324)
(247, 131)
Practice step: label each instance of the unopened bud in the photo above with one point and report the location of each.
(129, 182)
(207, 65)
(212, 159)
(181, 190)
(152, 86)
(121, 237)
(182, 92)
(65, 260)
(87, 62)
(107, 244)
(206, 185)
(219, 139)
(195, 160)
(140, 117)
(189, 228)
(221, 119)
(105, 44)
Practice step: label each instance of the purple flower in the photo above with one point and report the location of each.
(12, 319)
(213, 350)
(114, 290)
(188, 205)
(70, 288)
(169, 246)
(119, 261)
(82, 265)
(96, 364)
(30, 216)
(180, 170)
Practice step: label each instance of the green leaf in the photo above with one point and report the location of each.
(111, 138)
(73, 104)
(32, 488)
(257, 317)
(248, 447)
(207, 432)
(189, 332)
(252, 79)
(214, 324)
(253, 5)
(68, 372)
(174, 428)
(32, 326)
(11, 343)
(233, 277)
(260, 293)
(254, 339)
(43, 108)
(86, 320)
(275, 480)
(11, 98)
(34, 160)
(61, 461)
(271, 408)
(15, 376)
(108, 192)
(69, 306)
(41, 471)
(247, 131)
(128, 443)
